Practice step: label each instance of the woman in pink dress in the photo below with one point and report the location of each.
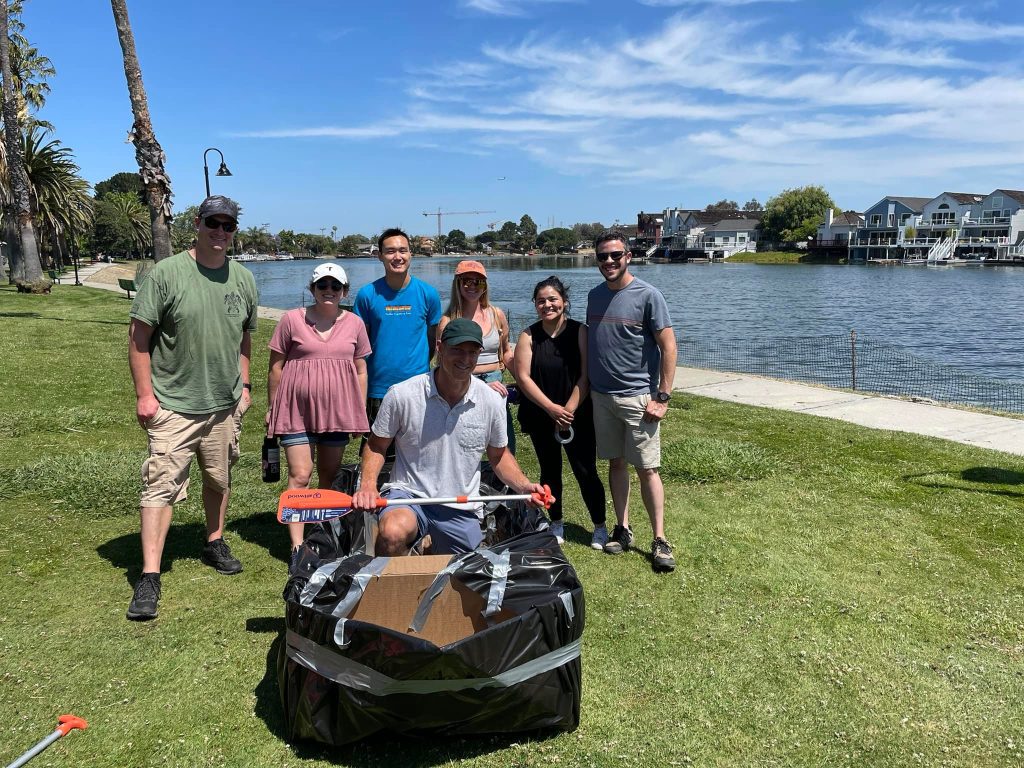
(316, 386)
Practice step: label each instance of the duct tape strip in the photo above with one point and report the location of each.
(499, 580)
(423, 610)
(352, 674)
(570, 612)
(317, 581)
(348, 603)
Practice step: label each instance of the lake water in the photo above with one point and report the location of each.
(968, 317)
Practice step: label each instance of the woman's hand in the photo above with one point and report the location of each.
(498, 387)
(561, 415)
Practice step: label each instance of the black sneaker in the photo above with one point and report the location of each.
(621, 540)
(147, 595)
(217, 555)
(661, 556)
(293, 561)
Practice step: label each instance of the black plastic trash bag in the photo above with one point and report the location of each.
(508, 618)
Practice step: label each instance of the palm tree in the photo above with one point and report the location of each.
(132, 213)
(60, 199)
(148, 152)
(24, 260)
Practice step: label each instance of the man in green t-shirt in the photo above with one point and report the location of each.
(189, 348)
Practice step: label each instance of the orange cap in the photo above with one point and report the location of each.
(470, 266)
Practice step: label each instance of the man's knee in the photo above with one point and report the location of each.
(396, 531)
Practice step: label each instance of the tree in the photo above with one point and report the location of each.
(349, 244)
(59, 197)
(752, 205)
(526, 234)
(24, 260)
(794, 214)
(148, 152)
(125, 181)
(508, 232)
(556, 240)
(121, 225)
(183, 227)
(722, 206)
(457, 240)
(588, 231)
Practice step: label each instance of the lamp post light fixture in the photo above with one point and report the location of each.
(222, 171)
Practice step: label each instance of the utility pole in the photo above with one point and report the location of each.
(441, 213)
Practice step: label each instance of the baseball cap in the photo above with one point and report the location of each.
(470, 266)
(330, 269)
(215, 204)
(459, 330)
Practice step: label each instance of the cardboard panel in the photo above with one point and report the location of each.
(391, 600)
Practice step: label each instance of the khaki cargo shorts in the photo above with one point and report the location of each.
(174, 438)
(622, 432)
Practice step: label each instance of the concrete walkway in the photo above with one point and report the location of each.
(995, 432)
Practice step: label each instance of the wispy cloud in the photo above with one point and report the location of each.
(937, 23)
(507, 7)
(726, 3)
(717, 97)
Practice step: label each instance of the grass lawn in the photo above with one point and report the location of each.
(843, 597)
(780, 257)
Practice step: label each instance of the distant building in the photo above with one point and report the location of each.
(834, 234)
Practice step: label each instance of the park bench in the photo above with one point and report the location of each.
(54, 276)
(127, 284)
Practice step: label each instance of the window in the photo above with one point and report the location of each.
(997, 202)
(876, 219)
(904, 218)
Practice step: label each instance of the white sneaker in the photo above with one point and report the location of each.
(600, 538)
(558, 531)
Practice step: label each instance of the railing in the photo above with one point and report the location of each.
(987, 221)
(852, 362)
(942, 250)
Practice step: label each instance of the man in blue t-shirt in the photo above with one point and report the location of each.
(631, 363)
(401, 315)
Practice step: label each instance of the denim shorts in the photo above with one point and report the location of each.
(326, 439)
(452, 531)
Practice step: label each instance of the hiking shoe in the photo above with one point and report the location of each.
(600, 537)
(147, 595)
(217, 555)
(558, 531)
(661, 556)
(621, 540)
(293, 561)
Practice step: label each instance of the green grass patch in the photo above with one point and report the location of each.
(844, 596)
(781, 257)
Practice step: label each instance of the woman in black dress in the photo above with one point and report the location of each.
(551, 369)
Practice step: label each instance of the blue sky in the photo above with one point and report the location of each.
(363, 115)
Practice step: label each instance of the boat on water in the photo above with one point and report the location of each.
(914, 261)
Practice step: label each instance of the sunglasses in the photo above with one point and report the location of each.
(324, 284)
(227, 226)
(613, 255)
(474, 282)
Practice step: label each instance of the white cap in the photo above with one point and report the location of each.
(330, 269)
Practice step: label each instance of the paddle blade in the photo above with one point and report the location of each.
(312, 505)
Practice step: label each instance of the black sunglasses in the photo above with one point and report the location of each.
(324, 284)
(227, 226)
(613, 255)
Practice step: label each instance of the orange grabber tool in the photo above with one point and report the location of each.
(68, 723)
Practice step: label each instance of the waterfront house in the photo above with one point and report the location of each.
(996, 231)
(689, 234)
(648, 235)
(885, 226)
(835, 233)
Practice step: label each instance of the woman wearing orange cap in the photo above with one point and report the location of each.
(470, 299)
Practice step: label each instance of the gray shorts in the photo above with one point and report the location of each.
(452, 531)
(622, 432)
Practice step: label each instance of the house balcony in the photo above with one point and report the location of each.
(988, 221)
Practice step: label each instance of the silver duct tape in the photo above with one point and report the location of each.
(351, 599)
(499, 580)
(570, 612)
(427, 601)
(352, 674)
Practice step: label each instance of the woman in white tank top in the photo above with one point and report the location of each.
(470, 299)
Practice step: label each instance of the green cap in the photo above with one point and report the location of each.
(459, 330)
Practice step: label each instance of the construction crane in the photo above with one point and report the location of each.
(441, 213)
(492, 224)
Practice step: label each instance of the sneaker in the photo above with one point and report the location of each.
(293, 561)
(621, 540)
(558, 531)
(217, 555)
(600, 537)
(661, 555)
(147, 595)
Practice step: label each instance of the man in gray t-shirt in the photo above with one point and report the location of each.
(631, 363)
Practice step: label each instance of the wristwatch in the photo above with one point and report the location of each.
(247, 385)
(663, 397)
